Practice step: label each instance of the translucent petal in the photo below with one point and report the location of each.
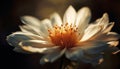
(30, 20)
(83, 18)
(27, 29)
(56, 19)
(52, 56)
(108, 27)
(44, 50)
(74, 53)
(17, 37)
(104, 20)
(90, 31)
(93, 47)
(113, 43)
(111, 36)
(20, 50)
(69, 16)
(36, 43)
(45, 25)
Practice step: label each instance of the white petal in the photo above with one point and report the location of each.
(36, 43)
(90, 31)
(69, 16)
(96, 49)
(45, 26)
(30, 20)
(113, 43)
(108, 27)
(14, 39)
(104, 20)
(74, 53)
(27, 29)
(56, 19)
(17, 37)
(91, 51)
(39, 50)
(40, 27)
(20, 50)
(83, 18)
(93, 46)
(52, 56)
(111, 36)
(33, 50)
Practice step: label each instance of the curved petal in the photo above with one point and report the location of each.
(108, 27)
(90, 31)
(74, 53)
(103, 21)
(40, 27)
(93, 47)
(17, 37)
(36, 43)
(69, 16)
(52, 56)
(33, 30)
(111, 36)
(83, 18)
(113, 43)
(30, 20)
(39, 50)
(56, 19)
(27, 29)
(78, 54)
(20, 50)
(45, 26)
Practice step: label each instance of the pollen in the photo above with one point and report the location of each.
(64, 35)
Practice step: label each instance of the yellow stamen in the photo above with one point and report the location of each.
(64, 35)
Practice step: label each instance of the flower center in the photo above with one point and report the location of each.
(64, 35)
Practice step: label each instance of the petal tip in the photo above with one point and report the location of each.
(85, 8)
(105, 15)
(70, 8)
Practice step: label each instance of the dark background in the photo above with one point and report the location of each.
(12, 10)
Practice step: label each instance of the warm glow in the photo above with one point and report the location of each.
(64, 35)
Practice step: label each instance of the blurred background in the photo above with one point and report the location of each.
(12, 10)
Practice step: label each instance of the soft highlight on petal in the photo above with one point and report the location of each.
(44, 50)
(45, 25)
(36, 43)
(83, 18)
(56, 19)
(74, 53)
(52, 56)
(27, 29)
(30, 20)
(113, 43)
(69, 16)
(104, 20)
(90, 31)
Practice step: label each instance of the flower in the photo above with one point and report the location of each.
(73, 37)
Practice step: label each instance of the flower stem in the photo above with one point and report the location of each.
(67, 64)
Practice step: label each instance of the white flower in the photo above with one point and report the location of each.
(73, 37)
